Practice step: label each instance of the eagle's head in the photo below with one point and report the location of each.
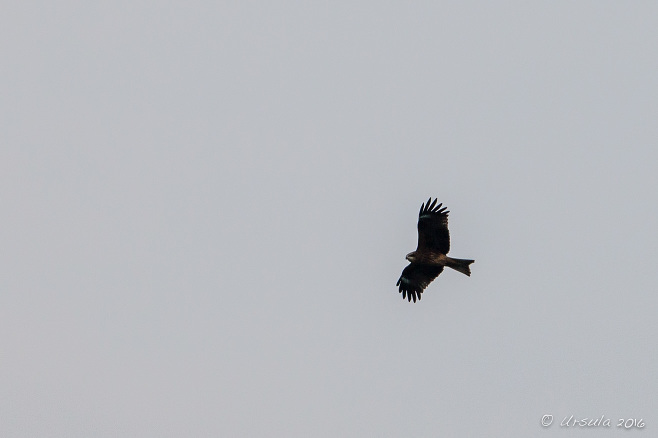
(411, 256)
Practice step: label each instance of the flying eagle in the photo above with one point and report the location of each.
(430, 257)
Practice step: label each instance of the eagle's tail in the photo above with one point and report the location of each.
(460, 265)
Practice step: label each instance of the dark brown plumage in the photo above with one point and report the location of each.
(427, 262)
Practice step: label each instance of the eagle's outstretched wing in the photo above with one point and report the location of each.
(415, 278)
(433, 232)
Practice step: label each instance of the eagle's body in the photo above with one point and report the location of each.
(427, 262)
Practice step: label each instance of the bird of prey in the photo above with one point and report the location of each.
(427, 262)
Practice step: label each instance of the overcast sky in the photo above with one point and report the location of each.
(206, 207)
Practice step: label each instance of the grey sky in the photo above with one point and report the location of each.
(206, 206)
